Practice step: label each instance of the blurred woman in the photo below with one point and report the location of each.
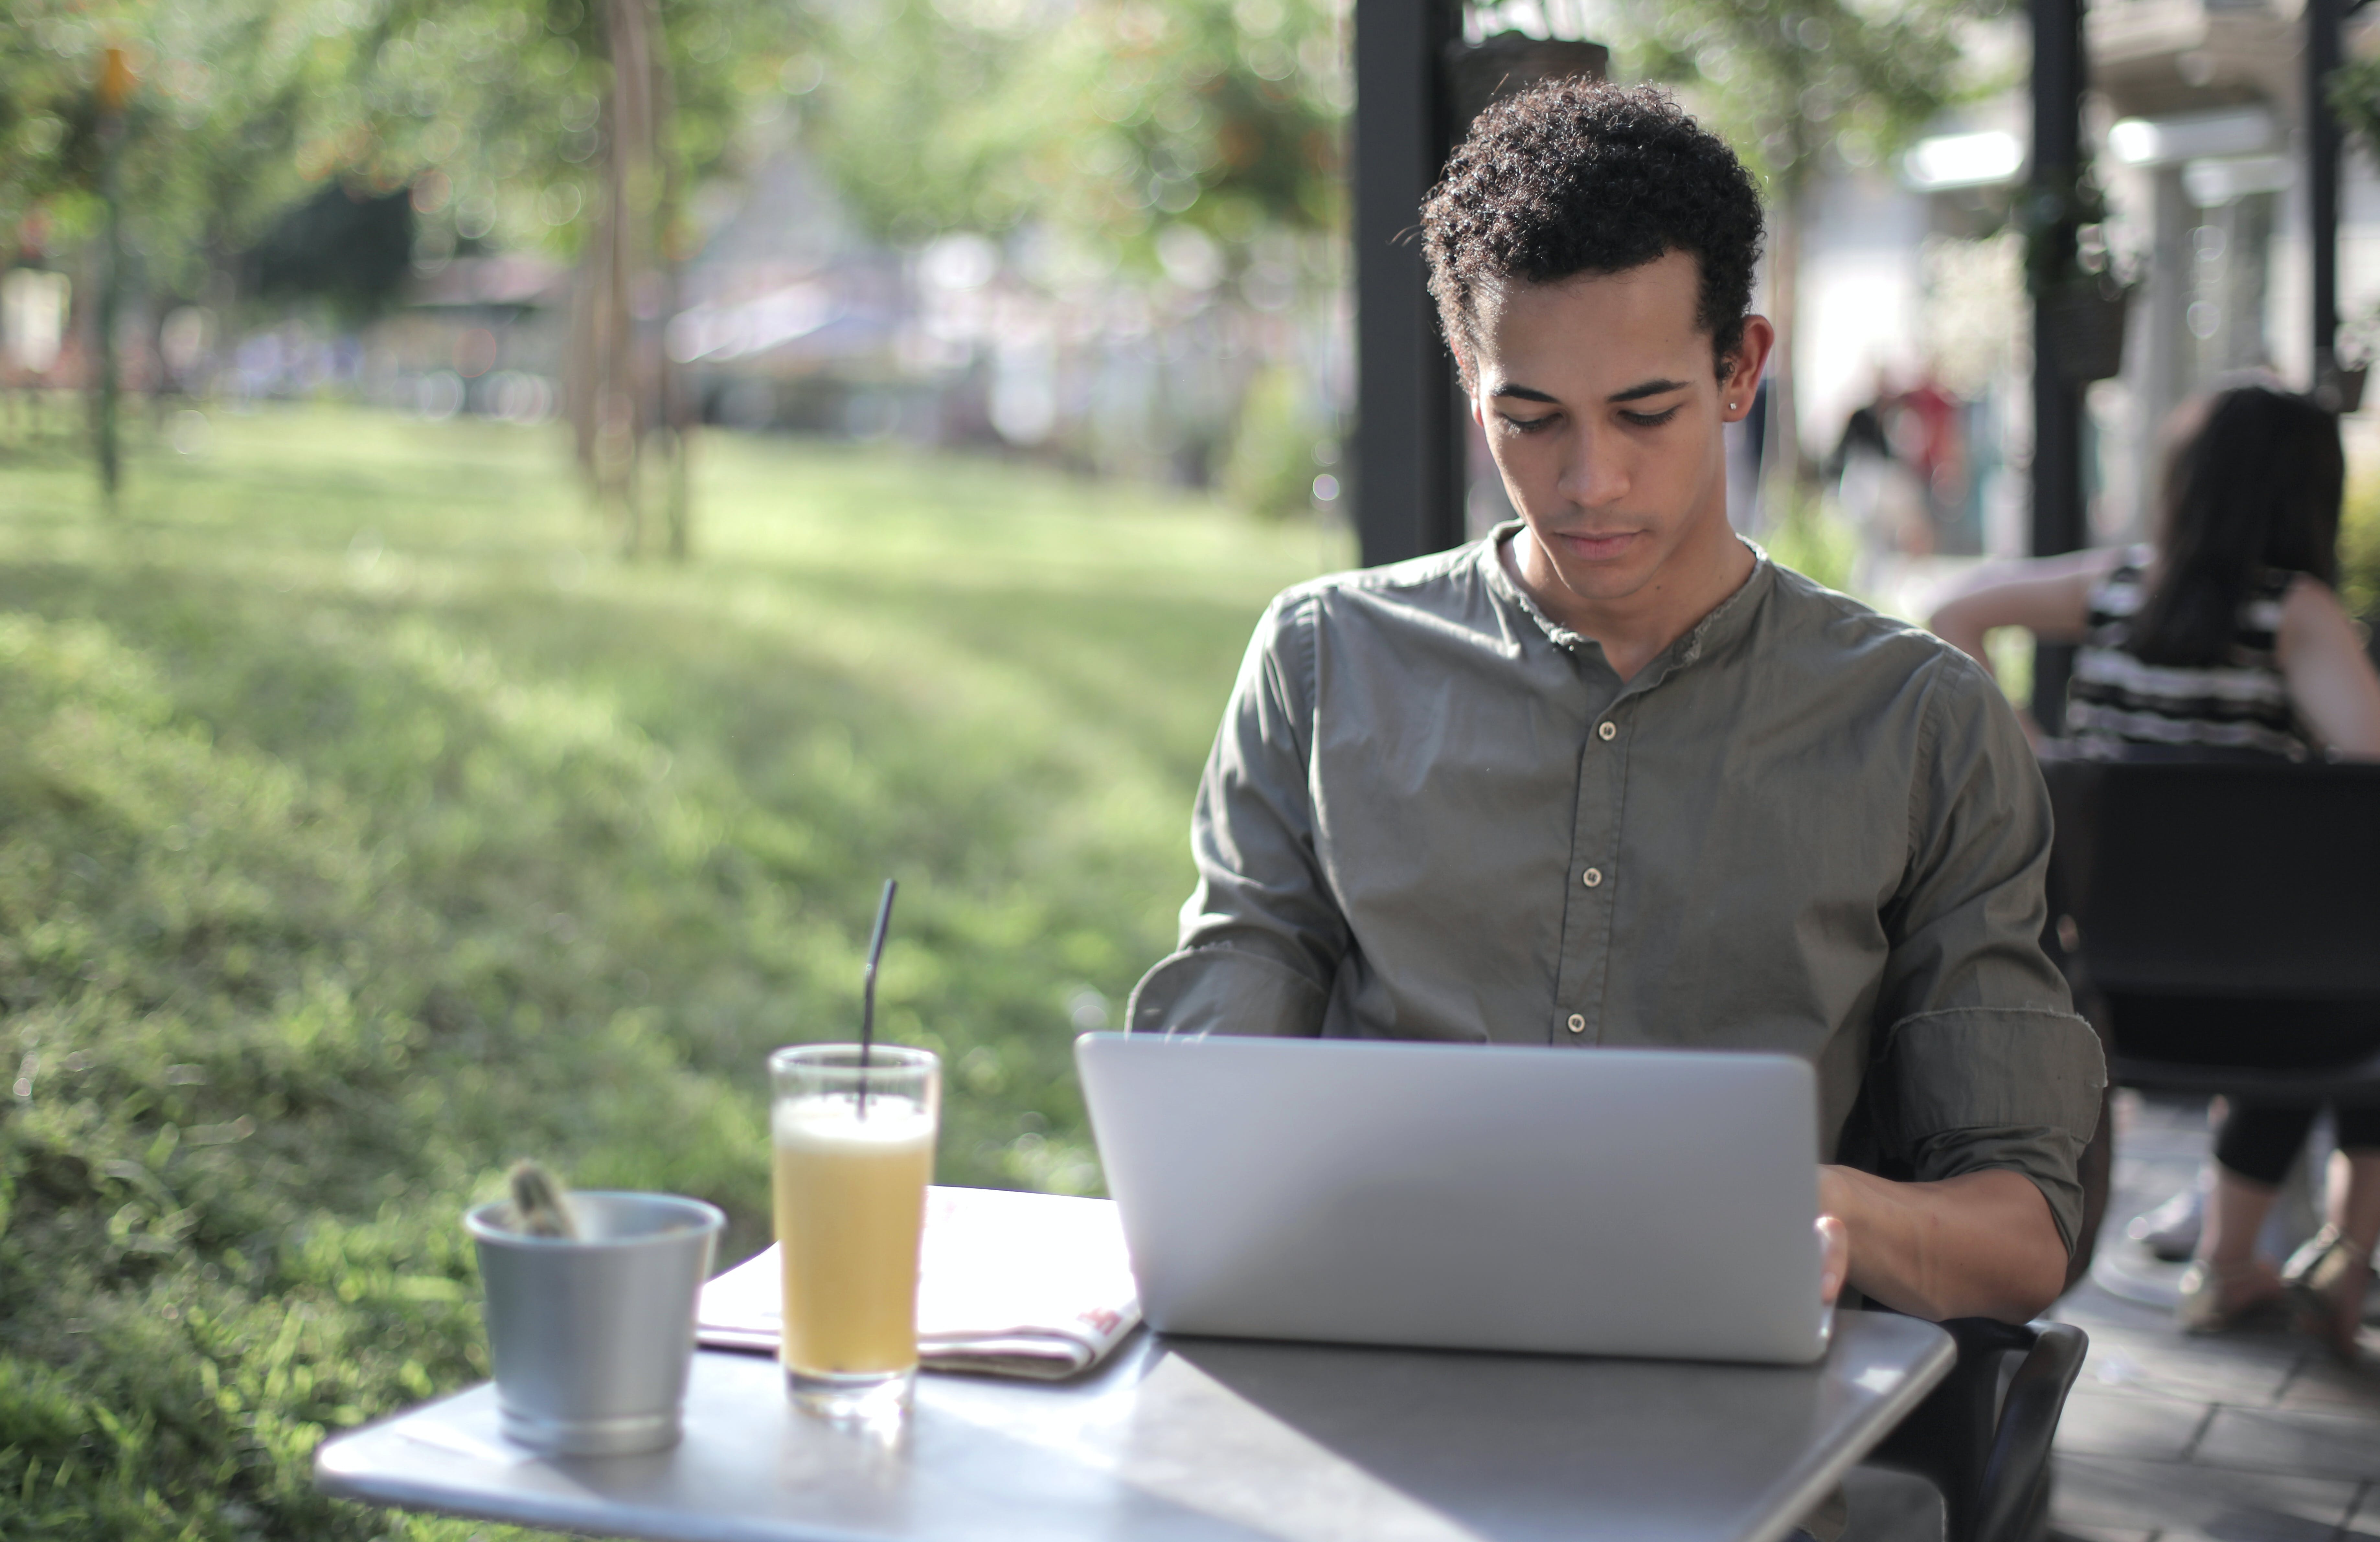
(2226, 638)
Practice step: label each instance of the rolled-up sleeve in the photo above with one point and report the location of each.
(1983, 1061)
(1261, 935)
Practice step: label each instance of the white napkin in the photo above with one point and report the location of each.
(1010, 1284)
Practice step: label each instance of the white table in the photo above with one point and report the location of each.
(1182, 1439)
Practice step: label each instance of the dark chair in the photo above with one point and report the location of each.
(2244, 893)
(2241, 895)
(1982, 1437)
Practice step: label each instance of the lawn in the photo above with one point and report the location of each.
(364, 825)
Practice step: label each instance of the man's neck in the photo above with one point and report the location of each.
(1635, 628)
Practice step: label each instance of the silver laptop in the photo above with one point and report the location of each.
(1642, 1202)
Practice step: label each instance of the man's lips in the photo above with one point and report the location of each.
(1594, 545)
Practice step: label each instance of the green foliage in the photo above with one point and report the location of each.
(1788, 79)
(2358, 549)
(1809, 538)
(502, 100)
(2010, 649)
(2354, 91)
(352, 249)
(1273, 456)
(1103, 123)
(208, 135)
(357, 835)
(245, 106)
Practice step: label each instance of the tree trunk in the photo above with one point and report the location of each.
(579, 385)
(108, 379)
(612, 402)
(670, 406)
(625, 394)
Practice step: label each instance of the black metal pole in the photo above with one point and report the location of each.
(2321, 57)
(2058, 76)
(1407, 491)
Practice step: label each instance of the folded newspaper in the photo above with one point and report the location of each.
(1010, 1284)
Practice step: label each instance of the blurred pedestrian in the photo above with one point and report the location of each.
(1880, 491)
(1929, 422)
(2226, 638)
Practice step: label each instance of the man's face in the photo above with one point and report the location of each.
(1603, 409)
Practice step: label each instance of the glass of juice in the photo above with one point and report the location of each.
(854, 1151)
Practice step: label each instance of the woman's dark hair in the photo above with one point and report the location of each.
(2257, 488)
(1578, 177)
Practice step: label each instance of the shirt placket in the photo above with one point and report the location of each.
(1594, 880)
(1591, 879)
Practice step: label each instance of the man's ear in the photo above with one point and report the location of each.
(1741, 382)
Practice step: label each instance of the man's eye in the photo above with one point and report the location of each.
(1650, 420)
(1529, 425)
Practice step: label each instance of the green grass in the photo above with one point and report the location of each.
(2359, 548)
(363, 826)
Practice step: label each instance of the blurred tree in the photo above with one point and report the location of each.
(112, 94)
(1125, 130)
(2354, 91)
(1792, 83)
(41, 96)
(575, 127)
(139, 143)
(212, 124)
(346, 245)
(1103, 123)
(504, 119)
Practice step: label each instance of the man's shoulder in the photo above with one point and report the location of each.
(1454, 568)
(1812, 629)
(1438, 584)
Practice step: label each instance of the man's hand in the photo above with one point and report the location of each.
(1833, 1258)
(1979, 1245)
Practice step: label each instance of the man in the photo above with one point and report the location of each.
(1610, 777)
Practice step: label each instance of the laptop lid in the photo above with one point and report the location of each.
(1642, 1202)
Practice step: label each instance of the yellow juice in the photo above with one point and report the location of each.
(851, 1204)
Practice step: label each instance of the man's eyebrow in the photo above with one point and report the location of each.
(1650, 388)
(1634, 394)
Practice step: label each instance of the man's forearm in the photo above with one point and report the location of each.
(1980, 1245)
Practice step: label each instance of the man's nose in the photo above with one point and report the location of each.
(1597, 470)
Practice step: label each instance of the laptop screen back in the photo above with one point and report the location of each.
(1639, 1202)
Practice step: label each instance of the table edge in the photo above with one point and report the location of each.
(541, 1514)
(1881, 1420)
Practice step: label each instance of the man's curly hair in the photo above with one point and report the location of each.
(1579, 177)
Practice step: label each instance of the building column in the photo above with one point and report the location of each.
(2162, 312)
(1408, 460)
(2058, 76)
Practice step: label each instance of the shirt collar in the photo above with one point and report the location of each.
(1727, 621)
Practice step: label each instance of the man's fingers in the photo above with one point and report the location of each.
(1834, 1257)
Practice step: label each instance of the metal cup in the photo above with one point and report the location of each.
(592, 1336)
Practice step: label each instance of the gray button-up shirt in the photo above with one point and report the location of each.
(1431, 812)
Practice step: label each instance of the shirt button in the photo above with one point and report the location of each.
(1605, 730)
(1577, 1024)
(1592, 877)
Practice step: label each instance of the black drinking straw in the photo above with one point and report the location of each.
(868, 996)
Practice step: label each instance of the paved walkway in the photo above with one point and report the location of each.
(2242, 1438)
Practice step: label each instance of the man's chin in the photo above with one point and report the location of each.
(1608, 580)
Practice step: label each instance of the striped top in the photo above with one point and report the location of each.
(2242, 703)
